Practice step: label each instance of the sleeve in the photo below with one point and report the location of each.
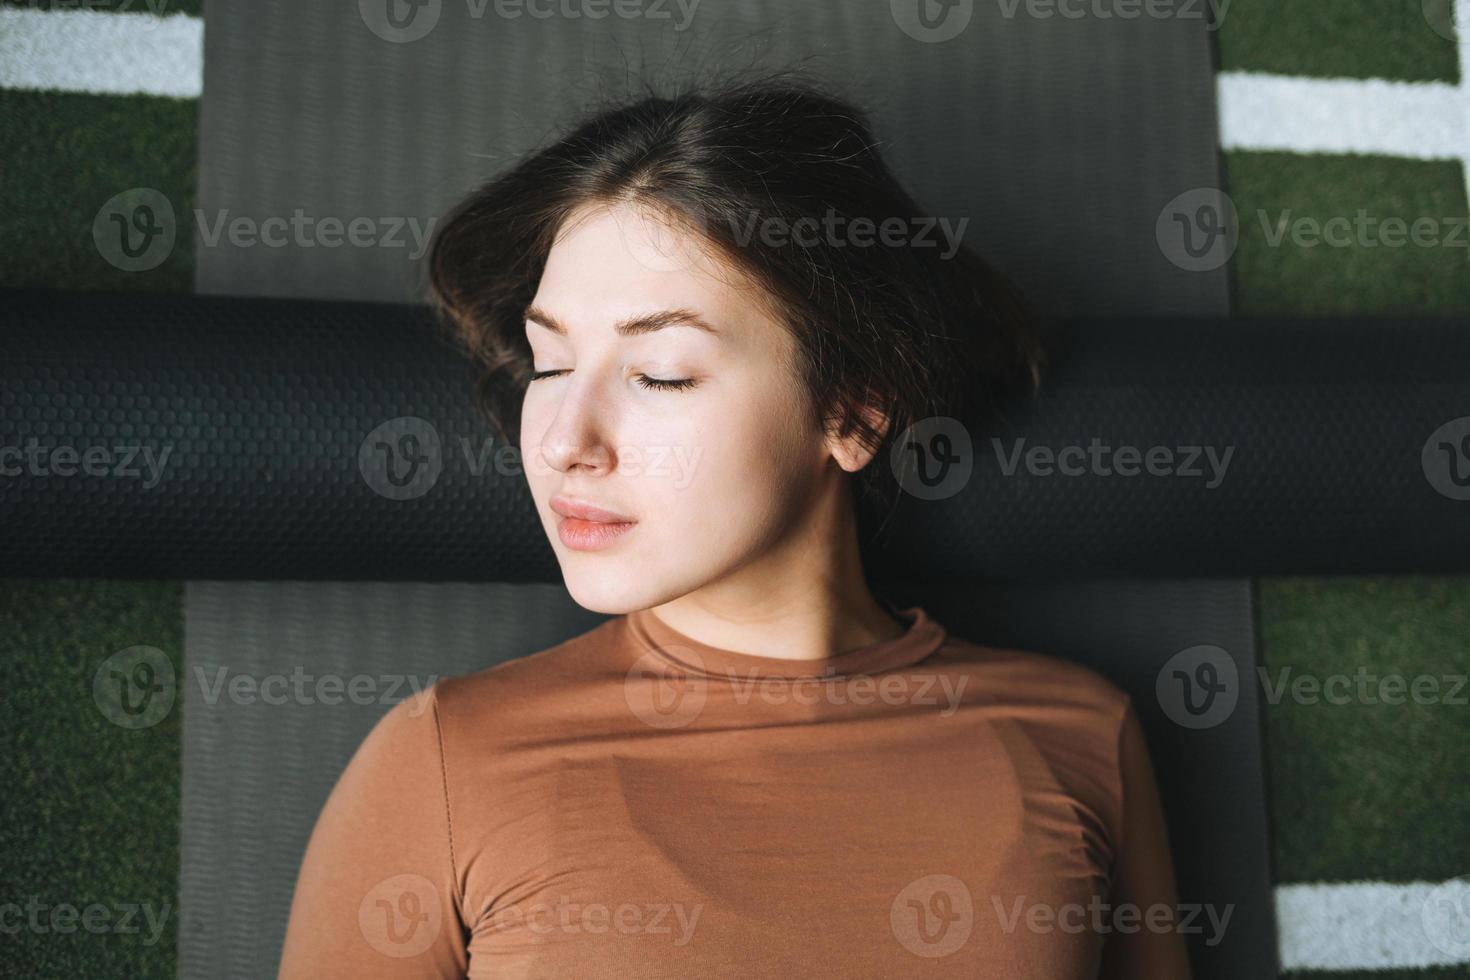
(377, 894)
(1143, 874)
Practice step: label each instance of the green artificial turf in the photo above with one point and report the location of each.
(1368, 276)
(1336, 39)
(1369, 791)
(90, 812)
(64, 156)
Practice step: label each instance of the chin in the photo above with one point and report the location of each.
(615, 584)
(608, 587)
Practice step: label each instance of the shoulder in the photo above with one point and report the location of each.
(533, 685)
(1071, 714)
(1033, 678)
(1080, 722)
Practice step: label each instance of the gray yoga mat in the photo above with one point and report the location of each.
(1061, 141)
(259, 762)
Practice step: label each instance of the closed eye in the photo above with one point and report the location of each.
(679, 384)
(658, 384)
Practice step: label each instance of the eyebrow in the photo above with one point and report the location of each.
(634, 325)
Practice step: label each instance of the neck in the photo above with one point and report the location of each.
(805, 598)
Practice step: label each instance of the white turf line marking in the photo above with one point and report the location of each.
(1420, 120)
(1373, 925)
(1322, 926)
(101, 53)
(1416, 120)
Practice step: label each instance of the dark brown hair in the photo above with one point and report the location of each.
(898, 326)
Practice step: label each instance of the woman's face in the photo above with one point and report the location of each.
(711, 471)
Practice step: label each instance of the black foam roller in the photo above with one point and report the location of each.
(284, 459)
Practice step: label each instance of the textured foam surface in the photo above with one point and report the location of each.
(322, 440)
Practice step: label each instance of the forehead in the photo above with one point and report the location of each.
(614, 261)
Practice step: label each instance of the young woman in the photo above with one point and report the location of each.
(706, 321)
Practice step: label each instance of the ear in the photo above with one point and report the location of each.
(848, 450)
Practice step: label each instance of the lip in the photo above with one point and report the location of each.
(584, 527)
(569, 507)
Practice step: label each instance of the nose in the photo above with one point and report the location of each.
(577, 436)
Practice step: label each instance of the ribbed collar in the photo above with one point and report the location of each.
(924, 636)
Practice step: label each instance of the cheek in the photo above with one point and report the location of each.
(728, 469)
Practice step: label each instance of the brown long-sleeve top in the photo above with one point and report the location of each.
(636, 803)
